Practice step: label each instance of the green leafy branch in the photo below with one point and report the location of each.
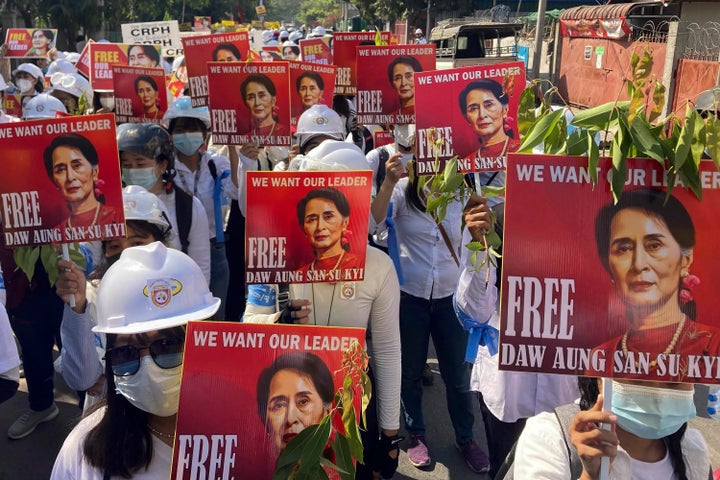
(639, 130)
(26, 258)
(305, 456)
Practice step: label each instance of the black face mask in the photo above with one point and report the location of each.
(112, 259)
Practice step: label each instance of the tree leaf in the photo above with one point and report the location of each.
(599, 117)
(353, 433)
(647, 143)
(526, 110)
(540, 130)
(25, 259)
(697, 147)
(712, 135)
(343, 459)
(682, 149)
(49, 259)
(366, 386)
(593, 155)
(314, 446)
(492, 190)
(619, 169)
(691, 179)
(658, 101)
(576, 142)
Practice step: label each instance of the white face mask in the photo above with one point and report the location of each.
(145, 177)
(25, 85)
(108, 103)
(152, 389)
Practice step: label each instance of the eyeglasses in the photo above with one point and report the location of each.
(165, 352)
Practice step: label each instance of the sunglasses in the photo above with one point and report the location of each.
(165, 352)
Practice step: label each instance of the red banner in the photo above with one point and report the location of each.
(344, 54)
(388, 96)
(140, 95)
(199, 50)
(29, 43)
(259, 109)
(626, 290)
(310, 84)
(61, 181)
(614, 28)
(305, 227)
(104, 55)
(239, 381)
(316, 50)
(473, 110)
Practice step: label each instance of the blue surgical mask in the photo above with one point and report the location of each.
(651, 412)
(188, 143)
(144, 177)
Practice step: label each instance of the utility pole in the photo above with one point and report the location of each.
(427, 21)
(539, 34)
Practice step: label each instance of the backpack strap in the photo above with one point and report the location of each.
(380, 177)
(213, 168)
(183, 213)
(565, 415)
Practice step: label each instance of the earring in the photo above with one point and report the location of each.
(684, 273)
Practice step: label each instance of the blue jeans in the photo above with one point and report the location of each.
(419, 319)
(219, 276)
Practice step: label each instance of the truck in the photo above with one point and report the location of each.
(462, 43)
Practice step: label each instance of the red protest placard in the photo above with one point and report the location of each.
(305, 227)
(140, 95)
(257, 110)
(382, 137)
(608, 295)
(12, 104)
(310, 84)
(61, 181)
(201, 49)
(344, 54)
(83, 62)
(29, 43)
(104, 55)
(271, 53)
(316, 50)
(241, 428)
(388, 96)
(474, 110)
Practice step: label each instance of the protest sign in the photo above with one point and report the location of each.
(270, 53)
(344, 45)
(473, 110)
(257, 110)
(166, 34)
(382, 137)
(140, 95)
(310, 84)
(316, 50)
(104, 55)
(199, 50)
(388, 96)
(83, 62)
(241, 427)
(29, 42)
(202, 24)
(305, 227)
(61, 181)
(584, 285)
(12, 104)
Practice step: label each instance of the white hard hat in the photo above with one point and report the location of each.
(318, 31)
(152, 287)
(72, 83)
(289, 43)
(404, 135)
(60, 65)
(418, 31)
(319, 120)
(139, 204)
(43, 105)
(29, 68)
(333, 155)
(182, 107)
(267, 35)
(295, 36)
(283, 35)
(72, 57)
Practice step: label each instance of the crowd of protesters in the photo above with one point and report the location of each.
(127, 374)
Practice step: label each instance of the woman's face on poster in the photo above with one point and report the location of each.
(310, 92)
(645, 260)
(73, 174)
(289, 54)
(259, 100)
(293, 404)
(323, 224)
(138, 58)
(148, 95)
(226, 56)
(484, 113)
(403, 78)
(39, 40)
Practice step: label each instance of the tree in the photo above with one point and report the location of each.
(320, 11)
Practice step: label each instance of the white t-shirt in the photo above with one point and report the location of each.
(70, 463)
(9, 359)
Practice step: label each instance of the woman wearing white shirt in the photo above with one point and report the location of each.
(428, 257)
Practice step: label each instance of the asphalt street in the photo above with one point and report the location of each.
(32, 458)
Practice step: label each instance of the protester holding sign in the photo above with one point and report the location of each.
(205, 176)
(648, 438)
(83, 351)
(430, 267)
(28, 79)
(71, 163)
(645, 242)
(143, 304)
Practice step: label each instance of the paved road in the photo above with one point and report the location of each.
(32, 457)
